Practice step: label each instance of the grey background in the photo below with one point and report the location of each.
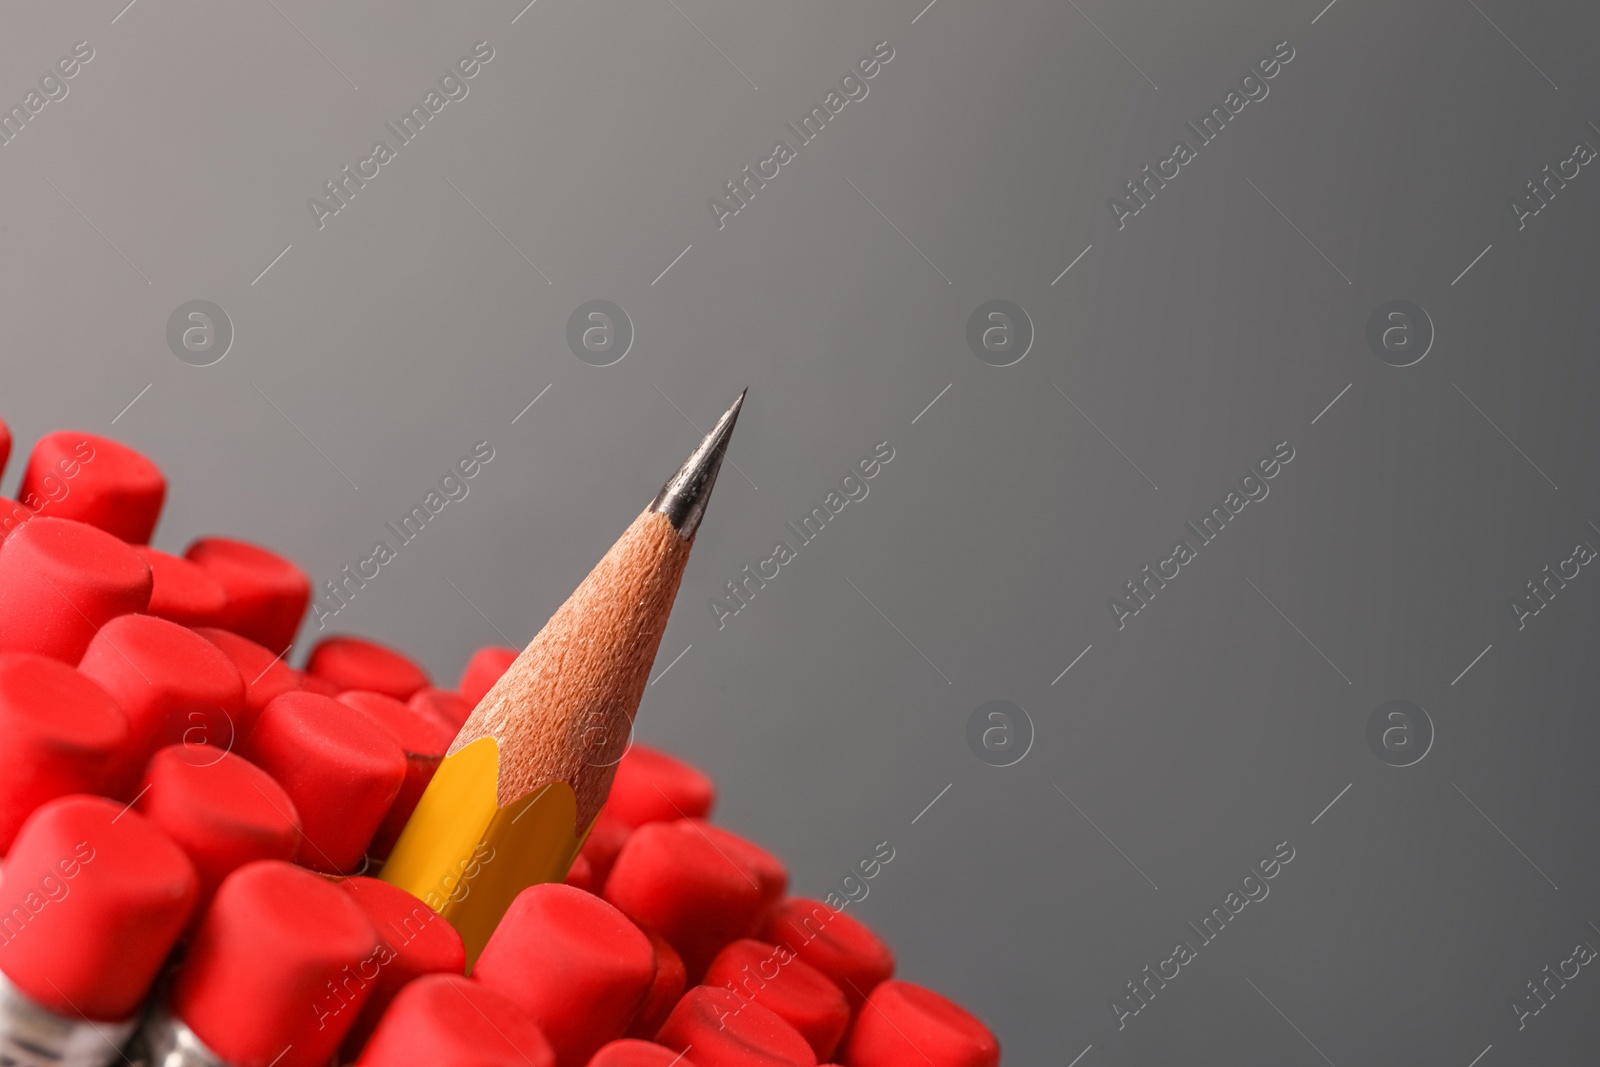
(1209, 329)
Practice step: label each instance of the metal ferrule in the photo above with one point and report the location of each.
(32, 1036)
(168, 1042)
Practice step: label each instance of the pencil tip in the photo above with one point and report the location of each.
(683, 499)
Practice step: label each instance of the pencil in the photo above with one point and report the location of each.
(519, 789)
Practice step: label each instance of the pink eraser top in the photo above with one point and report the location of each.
(444, 705)
(574, 963)
(355, 663)
(775, 978)
(60, 581)
(221, 809)
(670, 878)
(423, 739)
(95, 480)
(844, 950)
(181, 591)
(63, 734)
(905, 1025)
(281, 966)
(173, 684)
(483, 670)
(419, 942)
(670, 981)
(264, 672)
(94, 898)
(267, 595)
(341, 770)
(632, 1052)
(724, 1031)
(445, 1020)
(651, 786)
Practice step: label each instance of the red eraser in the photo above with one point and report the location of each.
(905, 1025)
(483, 670)
(279, 970)
(574, 963)
(221, 809)
(665, 990)
(60, 581)
(181, 591)
(267, 595)
(445, 1020)
(775, 978)
(580, 875)
(632, 1052)
(601, 848)
(417, 942)
(651, 786)
(95, 480)
(94, 898)
(844, 950)
(312, 684)
(62, 734)
(341, 771)
(417, 733)
(264, 673)
(445, 705)
(424, 741)
(771, 875)
(172, 684)
(5, 445)
(725, 1031)
(12, 516)
(670, 878)
(355, 663)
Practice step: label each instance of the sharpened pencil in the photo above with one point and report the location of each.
(519, 789)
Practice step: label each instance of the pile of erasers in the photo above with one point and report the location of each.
(185, 820)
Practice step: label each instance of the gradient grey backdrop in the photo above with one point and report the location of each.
(1222, 320)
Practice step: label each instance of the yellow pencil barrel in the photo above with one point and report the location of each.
(467, 858)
